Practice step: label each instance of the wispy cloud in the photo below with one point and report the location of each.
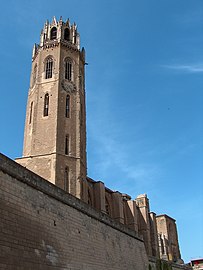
(115, 160)
(190, 68)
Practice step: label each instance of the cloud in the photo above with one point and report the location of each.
(115, 161)
(192, 68)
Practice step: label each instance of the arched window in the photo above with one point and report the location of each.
(34, 75)
(67, 145)
(68, 69)
(53, 34)
(48, 68)
(67, 106)
(31, 109)
(67, 34)
(46, 104)
(66, 180)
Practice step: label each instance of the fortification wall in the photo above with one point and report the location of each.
(159, 264)
(43, 227)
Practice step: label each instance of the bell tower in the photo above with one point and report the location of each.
(55, 125)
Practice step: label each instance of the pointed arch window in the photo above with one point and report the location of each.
(53, 34)
(67, 145)
(49, 68)
(46, 104)
(67, 113)
(31, 109)
(68, 69)
(67, 34)
(66, 180)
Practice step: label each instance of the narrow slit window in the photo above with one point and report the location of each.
(46, 104)
(68, 70)
(53, 33)
(66, 180)
(67, 145)
(31, 109)
(49, 68)
(67, 106)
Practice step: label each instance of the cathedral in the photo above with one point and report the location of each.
(55, 141)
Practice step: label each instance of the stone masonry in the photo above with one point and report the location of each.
(43, 227)
(55, 149)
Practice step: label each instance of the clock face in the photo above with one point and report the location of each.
(68, 86)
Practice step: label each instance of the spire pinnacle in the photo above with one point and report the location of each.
(54, 20)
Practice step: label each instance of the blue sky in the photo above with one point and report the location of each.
(144, 87)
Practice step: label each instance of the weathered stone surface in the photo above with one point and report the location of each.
(43, 227)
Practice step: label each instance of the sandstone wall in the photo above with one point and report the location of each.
(43, 227)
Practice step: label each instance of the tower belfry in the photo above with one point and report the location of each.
(55, 125)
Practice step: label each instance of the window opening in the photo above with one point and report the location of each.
(67, 145)
(67, 34)
(46, 104)
(67, 106)
(49, 68)
(68, 70)
(53, 33)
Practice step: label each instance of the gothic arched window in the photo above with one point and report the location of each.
(53, 34)
(66, 180)
(67, 106)
(31, 109)
(67, 34)
(67, 145)
(46, 104)
(68, 69)
(49, 68)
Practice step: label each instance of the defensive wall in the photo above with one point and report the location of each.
(43, 227)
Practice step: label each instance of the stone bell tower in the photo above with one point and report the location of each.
(55, 126)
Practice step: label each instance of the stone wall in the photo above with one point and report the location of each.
(158, 264)
(43, 227)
